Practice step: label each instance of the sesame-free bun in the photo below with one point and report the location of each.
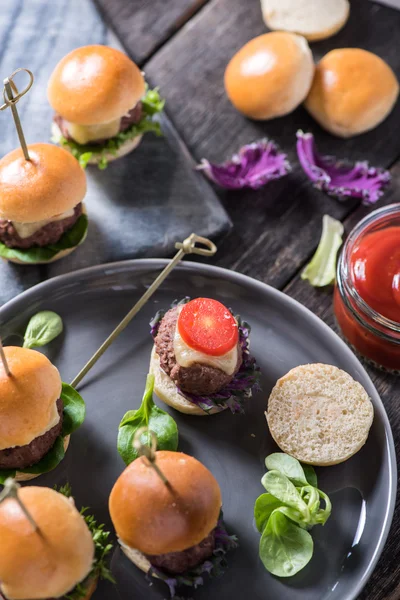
(270, 76)
(49, 184)
(314, 19)
(27, 397)
(319, 414)
(56, 257)
(29, 476)
(154, 518)
(167, 391)
(95, 84)
(353, 91)
(124, 149)
(49, 563)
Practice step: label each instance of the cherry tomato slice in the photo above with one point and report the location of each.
(207, 326)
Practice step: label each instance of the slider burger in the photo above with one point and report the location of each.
(102, 104)
(200, 359)
(42, 217)
(37, 415)
(60, 559)
(173, 531)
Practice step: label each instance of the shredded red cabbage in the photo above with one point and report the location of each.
(243, 385)
(338, 177)
(255, 165)
(213, 566)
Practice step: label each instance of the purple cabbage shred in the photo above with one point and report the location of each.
(340, 178)
(213, 566)
(252, 167)
(243, 385)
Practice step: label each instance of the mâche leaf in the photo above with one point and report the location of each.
(263, 509)
(282, 488)
(289, 466)
(151, 416)
(42, 328)
(311, 475)
(321, 270)
(71, 238)
(285, 548)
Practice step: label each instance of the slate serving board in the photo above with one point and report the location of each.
(142, 203)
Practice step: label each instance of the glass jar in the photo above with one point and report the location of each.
(374, 336)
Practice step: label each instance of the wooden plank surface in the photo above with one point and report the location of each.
(144, 25)
(274, 227)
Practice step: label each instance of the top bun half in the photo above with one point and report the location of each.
(95, 84)
(28, 397)
(156, 519)
(49, 184)
(43, 566)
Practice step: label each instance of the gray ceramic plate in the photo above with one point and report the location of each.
(284, 335)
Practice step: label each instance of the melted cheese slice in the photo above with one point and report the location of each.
(25, 230)
(89, 133)
(186, 356)
(54, 419)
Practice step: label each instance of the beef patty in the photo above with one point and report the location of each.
(131, 118)
(47, 235)
(180, 562)
(21, 457)
(197, 379)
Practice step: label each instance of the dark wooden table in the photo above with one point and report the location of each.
(183, 46)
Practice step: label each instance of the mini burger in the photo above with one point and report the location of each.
(42, 217)
(173, 531)
(34, 430)
(200, 359)
(63, 558)
(102, 104)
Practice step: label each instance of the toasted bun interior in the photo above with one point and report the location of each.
(95, 84)
(157, 519)
(28, 397)
(167, 391)
(49, 184)
(353, 91)
(43, 566)
(315, 19)
(270, 76)
(319, 414)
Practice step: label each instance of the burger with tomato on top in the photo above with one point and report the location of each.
(62, 558)
(171, 530)
(200, 359)
(102, 104)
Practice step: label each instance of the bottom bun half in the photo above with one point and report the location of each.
(28, 476)
(138, 559)
(167, 391)
(124, 149)
(59, 255)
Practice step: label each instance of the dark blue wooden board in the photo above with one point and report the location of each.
(142, 203)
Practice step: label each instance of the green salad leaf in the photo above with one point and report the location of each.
(148, 415)
(283, 516)
(74, 415)
(71, 238)
(42, 328)
(285, 549)
(321, 270)
(152, 105)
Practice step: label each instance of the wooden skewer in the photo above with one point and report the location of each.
(4, 360)
(149, 451)
(10, 100)
(188, 246)
(10, 490)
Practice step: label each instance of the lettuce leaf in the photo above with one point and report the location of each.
(71, 238)
(74, 415)
(243, 385)
(152, 105)
(321, 270)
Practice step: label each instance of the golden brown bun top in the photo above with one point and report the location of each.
(47, 565)
(27, 397)
(156, 519)
(348, 83)
(266, 74)
(49, 184)
(95, 84)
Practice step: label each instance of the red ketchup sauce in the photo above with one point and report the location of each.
(373, 271)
